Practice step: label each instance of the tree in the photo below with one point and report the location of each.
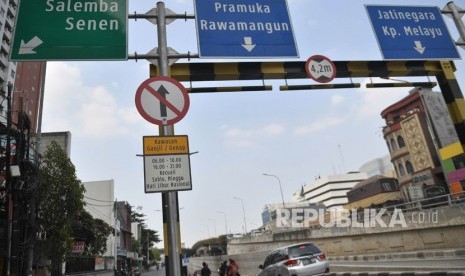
(60, 200)
(152, 238)
(94, 232)
(137, 217)
(155, 254)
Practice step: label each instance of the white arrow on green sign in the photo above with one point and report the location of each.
(71, 30)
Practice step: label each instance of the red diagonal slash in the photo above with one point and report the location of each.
(157, 95)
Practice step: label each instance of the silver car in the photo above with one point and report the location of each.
(303, 259)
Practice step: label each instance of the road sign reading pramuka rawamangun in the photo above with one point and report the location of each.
(244, 28)
(71, 30)
(411, 32)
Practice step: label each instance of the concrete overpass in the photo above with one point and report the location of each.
(440, 238)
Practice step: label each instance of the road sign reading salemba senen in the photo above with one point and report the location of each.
(71, 30)
(166, 164)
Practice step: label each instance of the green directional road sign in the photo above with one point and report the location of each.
(71, 30)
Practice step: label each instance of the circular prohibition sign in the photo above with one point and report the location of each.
(162, 100)
(320, 68)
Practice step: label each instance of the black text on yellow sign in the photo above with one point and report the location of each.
(162, 145)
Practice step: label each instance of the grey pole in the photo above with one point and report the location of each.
(148, 251)
(115, 246)
(457, 20)
(243, 213)
(174, 264)
(280, 186)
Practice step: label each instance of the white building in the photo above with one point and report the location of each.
(99, 198)
(63, 139)
(273, 212)
(8, 10)
(331, 191)
(136, 230)
(379, 166)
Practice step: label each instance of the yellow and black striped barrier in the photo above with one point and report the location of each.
(443, 70)
(319, 86)
(229, 89)
(401, 84)
(222, 71)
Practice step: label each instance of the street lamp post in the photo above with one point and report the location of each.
(225, 223)
(280, 187)
(243, 213)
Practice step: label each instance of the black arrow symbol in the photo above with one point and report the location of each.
(163, 92)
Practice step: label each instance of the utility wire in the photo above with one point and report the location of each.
(99, 199)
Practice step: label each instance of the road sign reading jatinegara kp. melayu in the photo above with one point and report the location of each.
(71, 30)
(409, 32)
(244, 28)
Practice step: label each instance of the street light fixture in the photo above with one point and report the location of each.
(280, 187)
(243, 213)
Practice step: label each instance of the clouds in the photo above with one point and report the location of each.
(319, 125)
(90, 111)
(375, 100)
(353, 107)
(248, 137)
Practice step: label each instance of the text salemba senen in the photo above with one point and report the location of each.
(77, 6)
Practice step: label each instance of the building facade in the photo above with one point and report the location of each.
(416, 128)
(99, 198)
(330, 191)
(8, 10)
(123, 229)
(375, 192)
(28, 92)
(276, 217)
(378, 166)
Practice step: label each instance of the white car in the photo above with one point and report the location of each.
(296, 260)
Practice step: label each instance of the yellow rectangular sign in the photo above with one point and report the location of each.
(163, 145)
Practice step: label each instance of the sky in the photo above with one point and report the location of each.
(294, 135)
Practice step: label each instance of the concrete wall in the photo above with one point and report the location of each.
(443, 228)
(447, 232)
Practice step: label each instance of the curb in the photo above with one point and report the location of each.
(402, 256)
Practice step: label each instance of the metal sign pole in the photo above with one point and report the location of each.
(457, 17)
(174, 265)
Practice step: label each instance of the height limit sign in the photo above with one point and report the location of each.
(166, 164)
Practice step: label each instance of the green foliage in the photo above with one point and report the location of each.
(155, 254)
(152, 238)
(94, 232)
(221, 240)
(135, 245)
(137, 217)
(60, 200)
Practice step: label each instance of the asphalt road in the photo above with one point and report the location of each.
(154, 272)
